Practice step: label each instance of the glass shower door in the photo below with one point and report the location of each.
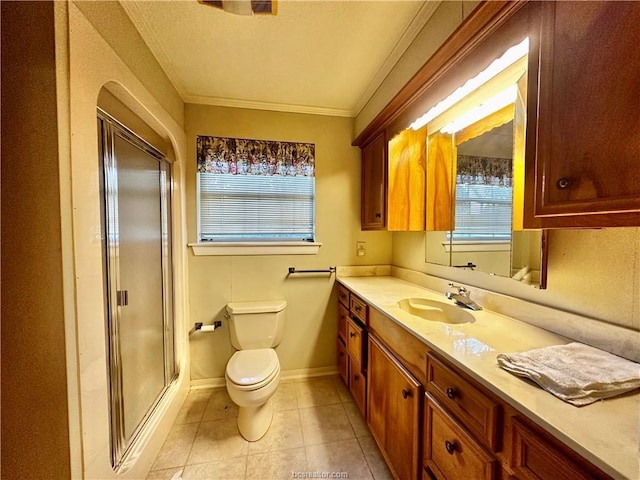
(138, 280)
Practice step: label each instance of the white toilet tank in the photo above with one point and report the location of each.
(256, 324)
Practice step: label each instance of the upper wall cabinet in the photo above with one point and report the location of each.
(583, 147)
(393, 182)
(374, 184)
(582, 122)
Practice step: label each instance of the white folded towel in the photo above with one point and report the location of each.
(576, 373)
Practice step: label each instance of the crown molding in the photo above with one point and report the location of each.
(148, 34)
(425, 12)
(277, 107)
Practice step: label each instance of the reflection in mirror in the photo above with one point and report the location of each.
(475, 179)
(483, 191)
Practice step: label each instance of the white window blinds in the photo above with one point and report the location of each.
(255, 208)
(483, 212)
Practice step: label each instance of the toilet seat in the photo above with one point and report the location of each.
(252, 369)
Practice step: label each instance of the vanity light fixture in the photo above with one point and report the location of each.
(495, 103)
(511, 56)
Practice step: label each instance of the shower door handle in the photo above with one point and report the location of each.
(122, 297)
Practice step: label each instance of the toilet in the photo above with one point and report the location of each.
(253, 372)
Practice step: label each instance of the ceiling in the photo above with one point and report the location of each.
(322, 57)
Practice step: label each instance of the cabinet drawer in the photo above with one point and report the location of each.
(476, 411)
(449, 451)
(358, 309)
(537, 456)
(354, 341)
(343, 295)
(343, 316)
(358, 385)
(343, 362)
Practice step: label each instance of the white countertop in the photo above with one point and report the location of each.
(607, 433)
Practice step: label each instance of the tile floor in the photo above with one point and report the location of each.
(316, 428)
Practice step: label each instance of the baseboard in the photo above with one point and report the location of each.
(284, 375)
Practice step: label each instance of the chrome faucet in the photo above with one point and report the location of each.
(461, 297)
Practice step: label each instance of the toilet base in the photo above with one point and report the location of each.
(254, 422)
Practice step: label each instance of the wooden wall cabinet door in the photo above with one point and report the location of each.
(394, 408)
(583, 134)
(374, 184)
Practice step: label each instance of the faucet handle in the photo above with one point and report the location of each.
(461, 290)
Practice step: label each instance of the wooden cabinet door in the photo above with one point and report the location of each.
(449, 451)
(583, 134)
(394, 408)
(343, 316)
(374, 184)
(355, 334)
(343, 362)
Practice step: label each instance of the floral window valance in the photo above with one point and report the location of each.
(240, 156)
(473, 170)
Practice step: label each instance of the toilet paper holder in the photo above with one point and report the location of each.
(200, 327)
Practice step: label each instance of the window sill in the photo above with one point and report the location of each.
(477, 246)
(256, 248)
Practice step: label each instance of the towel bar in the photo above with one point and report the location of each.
(293, 270)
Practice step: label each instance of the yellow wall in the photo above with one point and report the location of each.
(35, 430)
(309, 339)
(115, 27)
(85, 64)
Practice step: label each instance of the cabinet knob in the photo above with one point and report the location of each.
(406, 393)
(450, 446)
(378, 215)
(352, 334)
(452, 393)
(357, 308)
(356, 377)
(563, 183)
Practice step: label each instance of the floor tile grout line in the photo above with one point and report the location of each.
(336, 386)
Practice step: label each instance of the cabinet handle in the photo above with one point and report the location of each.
(357, 308)
(352, 334)
(563, 183)
(450, 446)
(452, 393)
(378, 215)
(356, 377)
(406, 393)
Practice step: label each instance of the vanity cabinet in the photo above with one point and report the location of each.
(449, 451)
(535, 455)
(583, 145)
(479, 412)
(431, 419)
(351, 345)
(394, 409)
(374, 184)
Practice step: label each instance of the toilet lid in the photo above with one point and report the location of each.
(248, 367)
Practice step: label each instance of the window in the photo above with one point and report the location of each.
(255, 191)
(483, 212)
(484, 192)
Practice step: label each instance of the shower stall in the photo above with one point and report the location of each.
(137, 269)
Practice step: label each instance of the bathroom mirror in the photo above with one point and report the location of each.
(475, 183)
(482, 237)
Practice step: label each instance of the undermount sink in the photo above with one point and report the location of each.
(435, 311)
